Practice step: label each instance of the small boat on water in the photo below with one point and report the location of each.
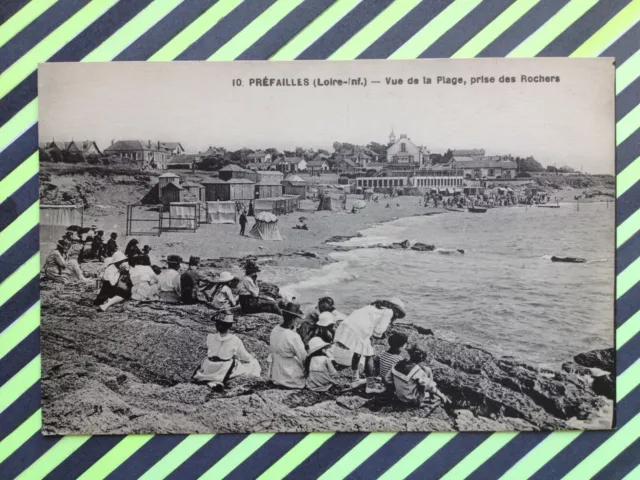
(477, 209)
(549, 206)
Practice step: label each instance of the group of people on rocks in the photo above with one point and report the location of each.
(130, 275)
(306, 351)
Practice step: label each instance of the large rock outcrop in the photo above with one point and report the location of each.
(129, 371)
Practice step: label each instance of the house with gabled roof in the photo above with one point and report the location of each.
(147, 154)
(290, 164)
(259, 157)
(174, 148)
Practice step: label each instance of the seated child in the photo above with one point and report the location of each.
(387, 360)
(413, 382)
(318, 367)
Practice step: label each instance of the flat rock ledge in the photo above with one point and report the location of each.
(129, 371)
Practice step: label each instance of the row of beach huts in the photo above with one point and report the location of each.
(233, 183)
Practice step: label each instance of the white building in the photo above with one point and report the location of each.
(403, 151)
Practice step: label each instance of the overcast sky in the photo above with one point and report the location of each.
(568, 122)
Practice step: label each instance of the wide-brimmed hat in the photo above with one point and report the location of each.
(64, 244)
(173, 259)
(398, 306)
(252, 268)
(293, 309)
(228, 318)
(325, 319)
(94, 226)
(315, 344)
(225, 277)
(116, 258)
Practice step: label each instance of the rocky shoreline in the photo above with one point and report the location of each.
(129, 371)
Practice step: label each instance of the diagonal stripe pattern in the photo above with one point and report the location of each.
(616, 28)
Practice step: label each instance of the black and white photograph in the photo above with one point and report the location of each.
(335, 246)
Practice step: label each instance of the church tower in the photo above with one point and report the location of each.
(392, 137)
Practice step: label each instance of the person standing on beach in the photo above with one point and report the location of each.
(243, 223)
(355, 333)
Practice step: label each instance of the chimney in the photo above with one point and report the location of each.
(112, 142)
(149, 143)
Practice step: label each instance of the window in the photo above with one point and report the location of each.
(491, 172)
(403, 147)
(411, 158)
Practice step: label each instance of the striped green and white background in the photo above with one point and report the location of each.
(174, 30)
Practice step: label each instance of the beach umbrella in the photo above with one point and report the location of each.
(358, 204)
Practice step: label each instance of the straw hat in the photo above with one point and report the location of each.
(116, 258)
(315, 344)
(225, 318)
(225, 277)
(326, 319)
(292, 309)
(399, 306)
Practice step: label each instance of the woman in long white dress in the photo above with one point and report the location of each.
(143, 279)
(287, 351)
(355, 333)
(226, 357)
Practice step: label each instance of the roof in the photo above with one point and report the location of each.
(290, 160)
(209, 152)
(468, 152)
(462, 159)
(169, 175)
(257, 155)
(213, 181)
(232, 167)
(182, 160)
(316, 163)
(487, 163)
(130, 145)
(348, 161)
(172, 185)
(191, 184)
(171, 145)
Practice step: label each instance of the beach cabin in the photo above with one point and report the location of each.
(171, 192)
(269, 185)
(233, 171)
(166, 178)
(195, 189)
(235, 189)
(294, 185)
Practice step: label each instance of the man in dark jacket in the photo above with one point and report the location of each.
(243, 223)
(112, 245)
(97, 246)
(189, 281)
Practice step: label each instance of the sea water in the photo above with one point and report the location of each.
(504, 294)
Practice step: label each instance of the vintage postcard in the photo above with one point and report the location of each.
(327, 246)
